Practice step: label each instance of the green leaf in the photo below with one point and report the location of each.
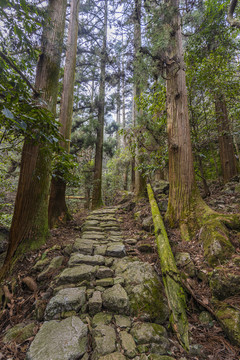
(8, 114)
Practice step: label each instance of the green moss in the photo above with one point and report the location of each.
(229, 318)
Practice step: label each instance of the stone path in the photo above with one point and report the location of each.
(107, 305)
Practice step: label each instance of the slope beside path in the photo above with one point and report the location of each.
(106, 305)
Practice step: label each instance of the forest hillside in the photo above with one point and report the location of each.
(120, 185)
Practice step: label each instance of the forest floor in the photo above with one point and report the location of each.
(24, 289)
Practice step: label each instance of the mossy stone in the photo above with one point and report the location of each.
(101, 319)
(19, 333)
(229, 318)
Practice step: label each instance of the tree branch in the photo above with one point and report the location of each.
(230, 19)
(10, 63)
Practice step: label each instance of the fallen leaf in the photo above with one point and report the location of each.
(30, 283)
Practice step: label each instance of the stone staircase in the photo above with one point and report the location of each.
(106, 305)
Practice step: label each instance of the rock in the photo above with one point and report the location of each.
(130, 241)
(100, 250)
(145, 248)
(116, 251)
(147, 224)
(77, 273)
(55, 263)
(195, 349)
(67, 250)
(76, 259)
(161, 348)
(116, 299)
(217, 247)
(83, 246)
(184, 261)
(104, 272)
(161, 187)
(95, 303)
(144, 333)
(113, 356)
(144, 289)
(40, 307)
(101, 319)
(122, 321)
(128, 344)
(71, 299)
(205, 317)
(104, 340)
(105, 282)
(229, 318)
(93, 236)
(118, 280)
(160, 357)
(40, 264)
(224, 283)
(65, 340)
(20, 333)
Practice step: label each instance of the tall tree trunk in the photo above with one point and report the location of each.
(226, 148)
(140, 183)
(181, 172)
(118, 117)
(29, 226)
(57, 210)
(185, 206)
(97, 180)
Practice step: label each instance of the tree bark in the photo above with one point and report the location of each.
(97, 180)
(230, 19)
(226, 148)
(140, 182)
(29, 226)
(181, 172)
(57, 209)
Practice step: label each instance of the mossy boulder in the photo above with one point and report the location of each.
(224, 283)
(185, 263)
(229, 318)
(216, 244)
(144, 289)
(20, 333)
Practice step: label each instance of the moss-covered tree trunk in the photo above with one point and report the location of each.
(29, 226)
(226, 148)
(97, 180)
(140, 182)
(171, 278)
(57, 209)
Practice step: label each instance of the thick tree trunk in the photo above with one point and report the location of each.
(118, 115)
(140, 182)
(181, 172)
(57, 210)
(29, 226)
(97, 181)
(226, 148)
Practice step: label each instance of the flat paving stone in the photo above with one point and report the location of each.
(101, 319)
(71, 299)
(106, 282)
(128, 344)
(115, 299)
(104, 272)
(116, 250)
(83, 246)
(77, 273)
(104, 340)
(86, 259)
(100, 250)
(95, 303)
(113, 356)
(65, 340)
(93, 235)
(122, 321)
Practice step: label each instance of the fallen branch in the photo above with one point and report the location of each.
(171, 278)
